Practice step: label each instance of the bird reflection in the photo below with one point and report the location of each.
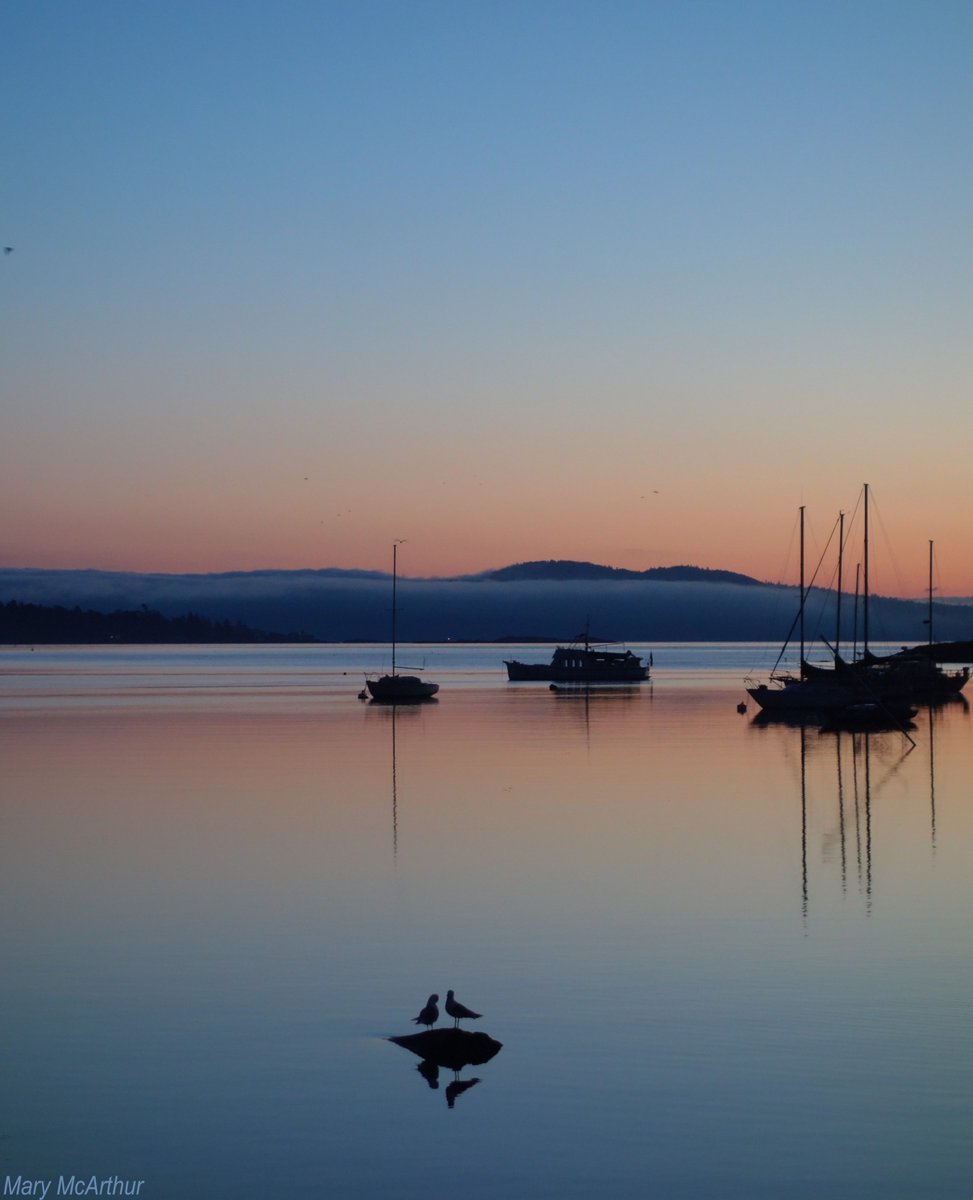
(429, 1072)
(457, 1088)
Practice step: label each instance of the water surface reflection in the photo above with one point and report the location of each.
(710, 948)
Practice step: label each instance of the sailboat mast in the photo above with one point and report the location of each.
(929, 621)
(802, 592)
(865, 594)
(395, 547)
(837, 619)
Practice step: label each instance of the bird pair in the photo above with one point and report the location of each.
(430, 1013)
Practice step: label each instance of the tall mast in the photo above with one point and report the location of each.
(929, 622)
(802, 591)
(865, 595)
(841, 548)
(395, 547)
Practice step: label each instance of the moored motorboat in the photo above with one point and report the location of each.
(581, 662)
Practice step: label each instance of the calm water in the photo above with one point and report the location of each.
(724, 959)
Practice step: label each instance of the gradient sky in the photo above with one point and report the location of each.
(626, 282)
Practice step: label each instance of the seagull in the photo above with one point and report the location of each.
(8, 249)
(430, 1014)
(457, 1010)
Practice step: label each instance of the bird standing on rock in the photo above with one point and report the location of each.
(457, 1010)
(430, 1014)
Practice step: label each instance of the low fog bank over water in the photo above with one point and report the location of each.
(339, 607)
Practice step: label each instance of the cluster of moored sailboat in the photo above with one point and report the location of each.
(867, 686)
(871, 686)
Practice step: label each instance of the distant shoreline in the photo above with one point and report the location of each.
(307, 607)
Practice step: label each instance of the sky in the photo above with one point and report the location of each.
(615, 281)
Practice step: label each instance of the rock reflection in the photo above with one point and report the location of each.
(452, 1049)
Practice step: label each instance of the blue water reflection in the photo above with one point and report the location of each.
(723, 958)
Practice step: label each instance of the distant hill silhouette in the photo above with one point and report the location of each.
(565, 568)
(30, 624)
(550, 601)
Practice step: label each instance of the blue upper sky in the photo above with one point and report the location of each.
(283, 266)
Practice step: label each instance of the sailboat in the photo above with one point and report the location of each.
(815, 690)
(918, 667)
(852, 689)
(395, 688)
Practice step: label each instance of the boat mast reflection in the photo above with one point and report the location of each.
(933, 717)
(856, 752)
(804, 899)
(841, 819)
(393, 713)
(395, 794)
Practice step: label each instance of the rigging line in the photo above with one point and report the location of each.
(778, 598)
(851, 522)
(823, 597)
(803, 602)
(893, 770)
(887, 546)
(802, 605)
(827, 546)
(937, 580)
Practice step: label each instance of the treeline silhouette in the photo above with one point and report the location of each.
(22, 624)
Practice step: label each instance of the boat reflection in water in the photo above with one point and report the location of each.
(850, 768)
(393, 713)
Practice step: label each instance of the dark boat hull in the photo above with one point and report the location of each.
(806, 695)
(400, 689)
(870, 715)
